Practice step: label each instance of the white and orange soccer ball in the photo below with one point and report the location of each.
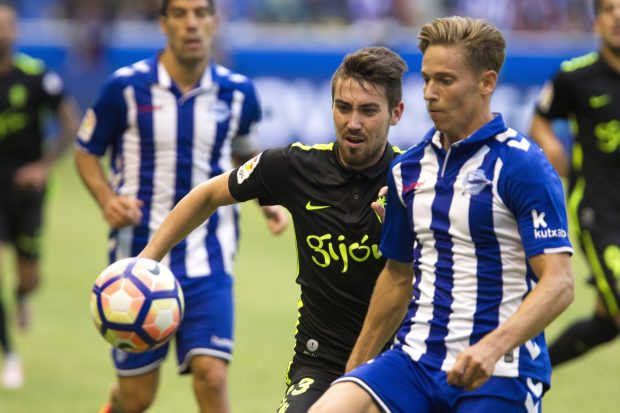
(137, 304)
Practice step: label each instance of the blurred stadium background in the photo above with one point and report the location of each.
(289, 48)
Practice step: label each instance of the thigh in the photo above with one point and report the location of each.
(395, 383)
(207, 326)
(306, 385)
(502, 394)
(26, 218)
(345, 397)
(140, 389)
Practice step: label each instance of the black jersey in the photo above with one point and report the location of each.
(337, 236)
(587, 91)
(25, 93)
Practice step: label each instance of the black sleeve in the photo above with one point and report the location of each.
(264, 177)
(556, 98)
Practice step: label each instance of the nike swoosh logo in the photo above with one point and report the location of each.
(311, 207)
(597, 102)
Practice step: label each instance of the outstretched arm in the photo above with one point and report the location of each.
(551, 296)
(188, 214)
(388, 305)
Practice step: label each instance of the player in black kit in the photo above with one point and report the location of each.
(26, 91)
(587, 90)
(328, 189)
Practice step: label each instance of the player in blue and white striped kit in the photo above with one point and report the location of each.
(171, 122)
(478, 253)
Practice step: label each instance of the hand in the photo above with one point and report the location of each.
(379, 207)
(473, 367)
(277, 219)
(31, 176)
(120, 211)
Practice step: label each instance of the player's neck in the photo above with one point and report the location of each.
(185, 75)
(612, 57)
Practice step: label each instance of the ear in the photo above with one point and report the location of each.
(397, 113)
(488, 82)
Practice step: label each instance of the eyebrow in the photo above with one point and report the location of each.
(369, 104)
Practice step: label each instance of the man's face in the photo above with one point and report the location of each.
(190, 26)
(453, 91)
(607, 24)
(361, 120)
(8, 29)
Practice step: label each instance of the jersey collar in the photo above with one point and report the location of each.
(489, 130)
(605, 66)
(159, 75)
(372, 172)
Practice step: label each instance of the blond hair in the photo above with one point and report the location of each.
(485, 46)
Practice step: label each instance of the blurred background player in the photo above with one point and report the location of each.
(329, 190)
(587, 91)
(27, 91)
(171, 122)
(477, 213)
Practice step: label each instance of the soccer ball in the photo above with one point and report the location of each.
(137, 304)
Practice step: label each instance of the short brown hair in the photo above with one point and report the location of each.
(484, 44)
(379, 66)
(163, 7)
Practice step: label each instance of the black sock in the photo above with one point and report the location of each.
(4, 336)
(581, 337)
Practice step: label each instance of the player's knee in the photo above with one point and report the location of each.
(134, 399)
(135, 402)
(210, 375)
(29, 279)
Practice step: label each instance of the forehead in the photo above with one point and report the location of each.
(608, 3)
(445, 59)
(350, 90)
(188, 3)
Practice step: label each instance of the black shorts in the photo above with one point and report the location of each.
(306, 385)
(601, 247)
(21, 217)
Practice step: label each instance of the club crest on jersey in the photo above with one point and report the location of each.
(474, 182)
(247, 168)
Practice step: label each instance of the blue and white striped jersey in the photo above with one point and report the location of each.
(469, 218)
(163, 143)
